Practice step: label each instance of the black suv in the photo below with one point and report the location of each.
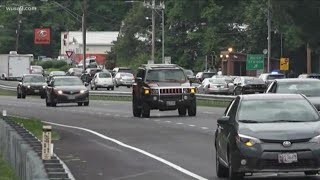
(164, 87)
(31, 84)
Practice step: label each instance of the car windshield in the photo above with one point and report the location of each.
(67, 82)
(128, 75)
(253, 81)
(29, 79)
(104, 75)
(311, 88)
(189, 72)
(264, 111)
(217, 81)
(166, 75)
(208, 75)
(58, 73)
(275, 76)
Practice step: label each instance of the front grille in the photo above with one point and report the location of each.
(281, 141)
(171, 91)
(71, 92)
(36, 87)
(274, 164)
(170, 97)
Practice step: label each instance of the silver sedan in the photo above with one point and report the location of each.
(216, 86)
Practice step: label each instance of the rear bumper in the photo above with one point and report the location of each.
(219, 90)
(107, 85)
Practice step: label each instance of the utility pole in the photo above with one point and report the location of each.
(18, 30)
(163, 33)
(153, 30)
(269, 35)
(84, 31)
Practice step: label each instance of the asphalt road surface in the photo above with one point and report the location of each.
(111, 144)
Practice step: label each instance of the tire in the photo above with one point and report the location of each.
(117, 86)
(182, 111)
(136, 110)
(222, 172)
(95, 88)
(23, 95)
(192, 109)
(86, 103)
(79, 104)
(91, 87)
(42, 96)
(310, 173)
(128, 86)
(18, 94)
(112, 88)
(145, 110)
(47, 103)
(231, 174)
(108, 89)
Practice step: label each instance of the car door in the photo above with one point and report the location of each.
(94, 79)
(221, 135)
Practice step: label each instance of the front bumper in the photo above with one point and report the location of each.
(72, 98)
(264, 158)
(169, 102)
(34, 90)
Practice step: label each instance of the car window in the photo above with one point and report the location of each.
(29, 79)
(104, 75)
(311, 88)
(166, 75)
(217, 81)
(273, 76)
(67, 82)
(272, 110)
(226, 112)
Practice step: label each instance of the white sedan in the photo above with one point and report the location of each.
(102, 80)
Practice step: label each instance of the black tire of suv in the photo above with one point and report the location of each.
(231, 174)
(112, 89)
(135, 108)
(23, 95)
(182, 111)
(18, 94)
(145, 110)
(47, 103)
(86, 103)
(222, 172)
(192, 109)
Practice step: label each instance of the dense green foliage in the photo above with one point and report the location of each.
(193, 28)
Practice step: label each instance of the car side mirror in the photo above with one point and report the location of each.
(224, 120)
(86, 84)
(138, 79)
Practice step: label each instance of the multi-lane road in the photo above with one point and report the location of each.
(103, 141)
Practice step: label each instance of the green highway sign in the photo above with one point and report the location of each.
(255, 62)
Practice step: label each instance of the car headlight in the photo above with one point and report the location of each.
(154, 91)
(28, 86)
(83, 91)
(60, 92)
(247, 140)
(146, 91)
(43, 87)
(315, 140)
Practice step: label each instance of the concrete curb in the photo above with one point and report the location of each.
(25, 161)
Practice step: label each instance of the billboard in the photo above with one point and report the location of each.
(42, 36)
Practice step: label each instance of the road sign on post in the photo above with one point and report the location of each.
(255, 62)
(46, 143)
(284, 64)
(69, 53)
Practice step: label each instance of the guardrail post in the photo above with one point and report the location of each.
(46, 142)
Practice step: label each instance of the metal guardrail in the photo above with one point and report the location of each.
(129, 94)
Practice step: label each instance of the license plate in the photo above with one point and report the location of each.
(36, 91)
(171, 103)
(71, 97)
(288, 158)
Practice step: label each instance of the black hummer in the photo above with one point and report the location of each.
(164, 87)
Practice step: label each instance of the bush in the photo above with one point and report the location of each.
(59, 64)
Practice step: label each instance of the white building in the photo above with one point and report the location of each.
(98, 43)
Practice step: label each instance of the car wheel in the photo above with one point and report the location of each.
(42, 96)
(192, 109)
(310, 173)
(221, 171)
(108, 89)
(91, 87)
(182, 111)
(136, 110)
(23, 95)
(18, 94)
(112, 88)
(47, 102)
(95, 88)
(128, 86)
(79, 104)
(231, 174)
(117, 86)
(145, 110)
(86, 103)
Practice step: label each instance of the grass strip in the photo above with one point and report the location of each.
(6, 171)
(34, 126)
(7, 93)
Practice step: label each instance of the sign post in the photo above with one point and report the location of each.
(46, 142)
(284, 64)
(255, 62)
(69, 53)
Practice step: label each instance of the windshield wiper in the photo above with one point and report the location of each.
(285, 120)
(248, 121)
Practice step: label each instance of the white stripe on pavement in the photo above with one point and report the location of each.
(178, 168)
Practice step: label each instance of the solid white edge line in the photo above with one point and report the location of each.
(184, 171)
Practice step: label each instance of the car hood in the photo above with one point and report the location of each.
(281, 131)
(35, 84)
(71, 88)
(168, 84)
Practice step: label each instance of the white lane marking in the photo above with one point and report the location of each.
(207, 112)
(168, 121)
(156, 120)
(107, 114)
(178, 168)
(117, 115)
(192, 125)
(179, 123)
(204, 128)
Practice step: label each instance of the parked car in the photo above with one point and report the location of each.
(123, 79)
(216, 86)
(36, 70)
(308, 87)
(267, 133)
(75, 72)
(203, 75)
(66, 89)
(31, 84)
(248, 85)
(313, 75)
(102, 80)
(55, 73)
(269, 77)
